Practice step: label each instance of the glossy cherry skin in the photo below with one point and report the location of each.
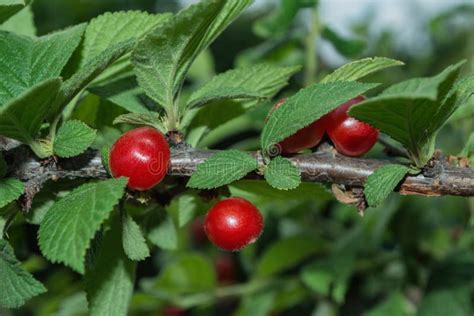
(142, 155)
(233, 223)
(350, 136)
(305, 138)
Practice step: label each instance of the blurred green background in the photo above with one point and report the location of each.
(410, 256)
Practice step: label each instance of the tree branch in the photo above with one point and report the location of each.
(325, 166)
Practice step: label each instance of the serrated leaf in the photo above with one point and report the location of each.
(306, 106)
(3, 166)
(10, 190)
(412, 112)
(221, 169)
(9, 8)
(125, 93)
(165, 235)
(152, 119)
(111, 28)
(28, 61)
(104, 155)
(17, 284)
(134, 243)
(86, 74)
(21, 23)
(72, 139)
(286, 253)
(71, 223)
(382, 182)
(109, 283)
(253, 82)
(21, 118)
(282, 174)
(361, 68)
(164, 56)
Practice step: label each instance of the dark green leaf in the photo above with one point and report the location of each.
(10, 190)
(11, 7)
(3, 166)
(72, 139)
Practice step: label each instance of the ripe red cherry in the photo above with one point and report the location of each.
(142, 155)
(233, 223)
(350, 136)
(305, 138)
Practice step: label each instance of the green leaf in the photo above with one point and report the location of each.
(109, 283)
(3, 166)
(285, 254)
(10, 190)
(447, 301)
(382, 182)
(165, 235)
(184, 208)
(152, 119)
(256, 190)
(361, 68)
(254, 82)
(395, 305)
(164, 56)
(9, 8)
(71, 223)
(21, 23)
(28, 61)
(17, 284)
(282, 174)
(412, 112)
(221, 169)
(306, 106)
(347, 47)
(21, 118)
(134, 243)
(72, 139)
(111, 28)
(86, 74)
(190, 273)
(125, 93)
(104, 155)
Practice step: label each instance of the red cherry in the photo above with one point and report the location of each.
(305, 138)
(142, 155)
(233, 223)
(350, 136)
(226, 269)
(172, 311)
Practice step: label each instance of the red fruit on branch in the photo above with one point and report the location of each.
(305, 138)
(350, 136)
(233, 223)
(142, 155)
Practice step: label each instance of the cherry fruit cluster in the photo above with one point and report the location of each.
(350, 136)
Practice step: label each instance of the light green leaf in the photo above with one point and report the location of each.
(134, 243)
(452, 300)
(10, 190)
(152, 119)
(221, 169)
(282, 174)
(11, 7)
(382, 182)
(305, 107)
(73, 305)
(165, 235)
(21, 23)
(164, 56)
(109, 283)
(256, 190)
(190, 273)
(71, 223)
(395, 305)
(28, 61)
(412, 112)
(125, 93)
(82, 78)
(285, 254)
(184, 208)
(254, 82)
(72, 139)
(361, 68)
(17, 284)
(21, 118)
(112, 28)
